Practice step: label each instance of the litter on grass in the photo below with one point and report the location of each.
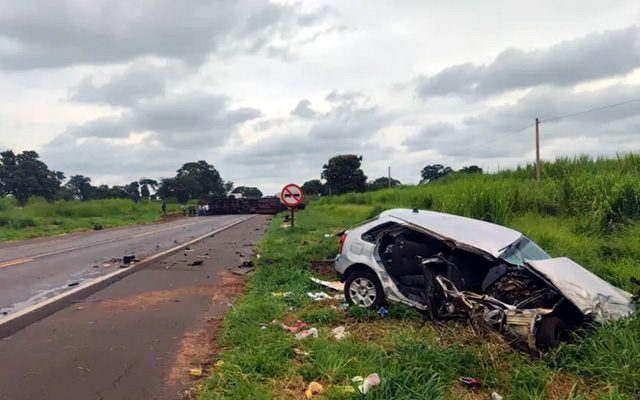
(295, 328)
(365, 384)
(318, 296)
(496, 396)
(195, 372)
(335, 285)
(282, 295)
(383, 312)
(313, 332)
(313, 388)
(339, 332)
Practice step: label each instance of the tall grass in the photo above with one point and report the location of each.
(604, 193)
(41, 218)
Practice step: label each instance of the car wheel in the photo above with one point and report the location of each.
(551, 332)
(363, 288)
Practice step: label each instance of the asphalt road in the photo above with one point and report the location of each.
(34, 270)
(137, 338)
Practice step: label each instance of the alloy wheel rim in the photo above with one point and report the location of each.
(362, 292)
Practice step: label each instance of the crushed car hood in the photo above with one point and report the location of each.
(588, 292)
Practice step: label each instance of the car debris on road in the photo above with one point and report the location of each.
(448, 266)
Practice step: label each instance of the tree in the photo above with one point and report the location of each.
(248, 191)
(471, 169)
(80, 187)
(228, 187)
(343, 174)
(432, 172)
(201, 180)
(23, 175)
(314, 188)
(382, 183)
(145, 184)
(173, 188)
(133, 191)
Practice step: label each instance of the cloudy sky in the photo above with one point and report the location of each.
(267, 91)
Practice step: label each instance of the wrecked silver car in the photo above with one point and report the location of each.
(449, 266)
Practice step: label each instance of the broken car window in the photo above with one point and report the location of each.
(523, 249)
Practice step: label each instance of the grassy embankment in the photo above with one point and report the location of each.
(40, 218)
(583, 209)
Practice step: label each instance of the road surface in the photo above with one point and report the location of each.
(137, 338)
(34, 270)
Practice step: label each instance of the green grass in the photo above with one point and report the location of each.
(566, 214)
(42, 218)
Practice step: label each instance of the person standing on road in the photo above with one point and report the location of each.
(164, 207)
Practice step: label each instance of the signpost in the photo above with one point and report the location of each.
(292, 196)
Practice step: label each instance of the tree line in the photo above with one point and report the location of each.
(343, 174)
(24, 175)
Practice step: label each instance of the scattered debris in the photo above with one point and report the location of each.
(295, 328)
(94, 266)
(247, 264)
(187, 248)
(496, 396)
(281, 295)
(313, 388)
(383, 312)
(79, 308)
(328, 235)
(196, 262)
(219, 363)
(73, 284)
(365, 384)
(299, 352)
(318, 296)
(343, 306)
(195, 372)
(339, 332)
(128, 259)
(207, 257)
(106, 265)
(469, 382)
(335, 285)
(313, 332)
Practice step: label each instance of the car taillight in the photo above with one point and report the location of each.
(342, 239)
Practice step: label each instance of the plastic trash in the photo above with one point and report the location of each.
(365, 384)
(383, 312)
(343, 306)
(339, 332)
(313, 332)
(195, 372)
(496, 396)
(219, 363)
(313, 388)
(295, 328)
(319, 296)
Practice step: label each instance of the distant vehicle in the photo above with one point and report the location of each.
(450, 266)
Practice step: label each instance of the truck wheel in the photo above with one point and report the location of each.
(551, 332)
(363, 288)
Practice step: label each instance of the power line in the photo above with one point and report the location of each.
(553, 119)
(560, 117)
(496, 139)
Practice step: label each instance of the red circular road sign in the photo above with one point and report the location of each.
(291, 195)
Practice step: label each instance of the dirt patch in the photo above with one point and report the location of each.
(157, 297)
(171, 217)
(323, 267)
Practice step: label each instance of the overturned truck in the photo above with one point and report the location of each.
(449, 266)
(243, 205)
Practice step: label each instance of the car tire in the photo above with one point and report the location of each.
(363, 288)
(551, 332)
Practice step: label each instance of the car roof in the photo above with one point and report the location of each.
(485, 236)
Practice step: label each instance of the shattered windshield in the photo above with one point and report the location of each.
(523, 249)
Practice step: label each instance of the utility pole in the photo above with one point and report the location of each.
(537, 149)
(389, 177)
